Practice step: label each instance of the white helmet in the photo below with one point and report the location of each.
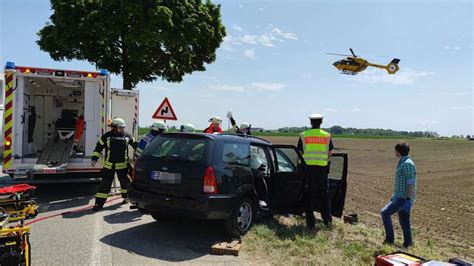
(118, 122)
(158, 125)
(215, 120)
(244, 125)
(316, 116)
(187, 128)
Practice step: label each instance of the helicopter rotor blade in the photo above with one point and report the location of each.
(352, 52)
(338, 54)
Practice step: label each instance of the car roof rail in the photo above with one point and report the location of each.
(245, 136)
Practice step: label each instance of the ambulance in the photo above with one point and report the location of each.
(42, 107)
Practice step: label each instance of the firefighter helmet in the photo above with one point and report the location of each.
(118, 122)
(158, 125)
(187, 128)
(215, 120)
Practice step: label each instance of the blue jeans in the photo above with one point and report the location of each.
(396, 205)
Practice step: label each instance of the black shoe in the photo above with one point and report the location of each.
(387, 242)
(97, 207)
(125, 201)
(405, 245)
(328, 225)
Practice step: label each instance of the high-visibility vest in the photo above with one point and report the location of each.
(316, 146)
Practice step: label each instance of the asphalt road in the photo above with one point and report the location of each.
(116, 235)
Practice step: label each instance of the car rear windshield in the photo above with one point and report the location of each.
(179, 148)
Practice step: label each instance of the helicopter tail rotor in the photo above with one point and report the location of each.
(393, 67)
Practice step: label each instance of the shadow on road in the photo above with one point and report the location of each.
(54, 197)
(123, 217)
(181, 240)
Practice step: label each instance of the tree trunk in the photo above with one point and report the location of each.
(127, 78)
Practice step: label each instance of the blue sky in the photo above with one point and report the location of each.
(272, 69)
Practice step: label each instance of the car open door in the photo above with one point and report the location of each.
(337, 185)
(289, 182)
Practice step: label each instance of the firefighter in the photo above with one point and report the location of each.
(316, 146)
(115, 142)
(158, 127)
(244, 128)
(189, 128)
(215, 126)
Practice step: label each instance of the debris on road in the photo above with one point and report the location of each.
(351, 219)
(224, 248)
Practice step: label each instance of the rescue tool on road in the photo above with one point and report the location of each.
(16, 205)
(42, 109)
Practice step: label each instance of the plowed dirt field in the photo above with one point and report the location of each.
(444, 211)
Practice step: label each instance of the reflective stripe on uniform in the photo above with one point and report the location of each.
(126, 148)
(101, 142)
(101, 195)
(123, 191)
(96, 154)
(120, 166)
(108, 149)
(107, 165)
(316, 147)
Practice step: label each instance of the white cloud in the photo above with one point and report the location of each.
(461, 108)
(306, 75)
(428, 122)
(158, 88)
(355, 109)
(403, 77)
(286, 35)
(452, 47)
(230, 88)
(266, 39)
(250, 53)
(269, 86)
(260, 86)
(332, 110)
(228, 42)
(263, 39)
(237, 28)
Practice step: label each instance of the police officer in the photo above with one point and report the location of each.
(115, 142)
(157, 128)
(316, 146)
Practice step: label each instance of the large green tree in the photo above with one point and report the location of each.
(139, 39)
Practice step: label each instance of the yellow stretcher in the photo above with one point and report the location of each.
(16, 205)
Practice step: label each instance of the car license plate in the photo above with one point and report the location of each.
(166, 177)
(49, 170)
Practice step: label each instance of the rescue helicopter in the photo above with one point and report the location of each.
(353, 64)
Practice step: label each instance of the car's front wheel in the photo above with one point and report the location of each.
(241, 220)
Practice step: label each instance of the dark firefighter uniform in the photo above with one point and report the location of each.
(114, 161)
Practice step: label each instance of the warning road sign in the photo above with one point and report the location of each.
(165, 111)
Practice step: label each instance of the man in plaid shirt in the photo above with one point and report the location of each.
(404, 195)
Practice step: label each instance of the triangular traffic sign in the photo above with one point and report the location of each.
(165, 111)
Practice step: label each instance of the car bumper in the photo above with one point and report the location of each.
(207, 207)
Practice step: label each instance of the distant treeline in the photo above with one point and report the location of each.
(376, 132)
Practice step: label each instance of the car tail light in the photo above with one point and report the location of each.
(210, 184)
(134, 168)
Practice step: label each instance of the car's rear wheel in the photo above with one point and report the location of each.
(241, 220)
